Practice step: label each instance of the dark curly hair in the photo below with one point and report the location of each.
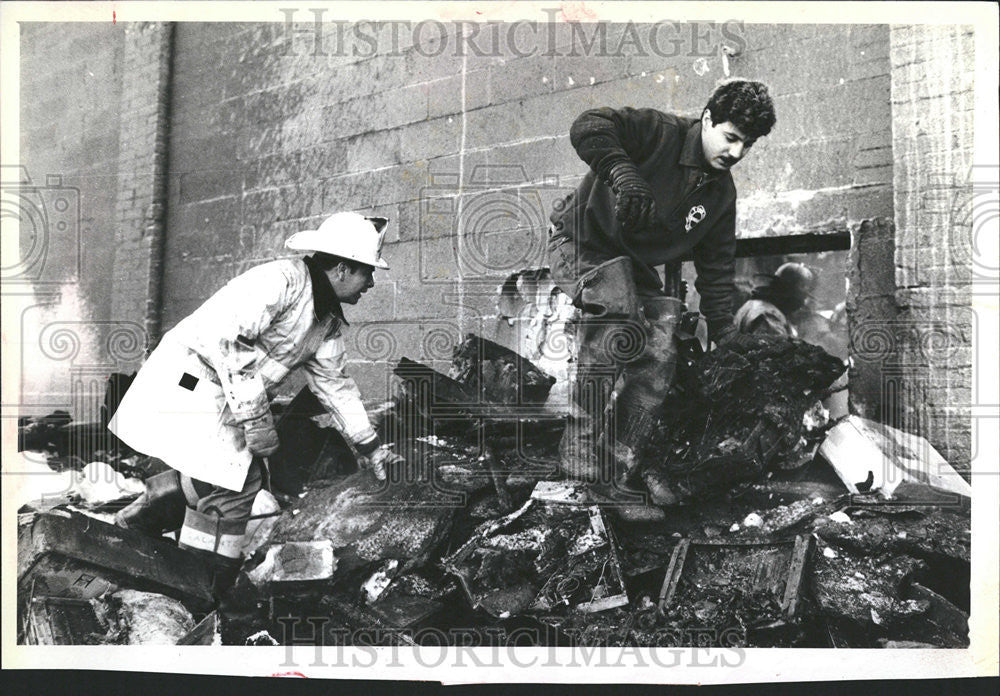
(746, 104)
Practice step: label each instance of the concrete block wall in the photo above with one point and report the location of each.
(66, 190)
(272, 128)
(828, 162)
(932, 108)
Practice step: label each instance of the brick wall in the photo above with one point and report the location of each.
(467, 153)
(932, 109)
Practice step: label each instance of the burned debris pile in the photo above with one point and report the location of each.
(477, 534)
(553, 553)
(738, 412)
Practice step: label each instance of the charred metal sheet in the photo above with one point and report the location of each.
(434, 392)
(432, 395)
(872, 457)
(497, 374)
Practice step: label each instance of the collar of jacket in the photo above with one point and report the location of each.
(692, 154)
(324, 298)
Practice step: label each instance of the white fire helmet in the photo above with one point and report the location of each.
(348, 235)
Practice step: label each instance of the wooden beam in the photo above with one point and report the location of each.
(808, 243)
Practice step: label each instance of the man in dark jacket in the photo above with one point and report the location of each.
(658, 188)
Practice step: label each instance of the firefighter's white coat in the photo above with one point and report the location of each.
(240, 345)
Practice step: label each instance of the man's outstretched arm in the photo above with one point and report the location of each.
(613, 143)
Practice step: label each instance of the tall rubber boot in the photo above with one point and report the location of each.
(607, 330)
(224, 571)
(645, 384)
(159, 509)
(578, 454)
(626, 432)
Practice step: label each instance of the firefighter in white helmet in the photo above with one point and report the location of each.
(201, 401)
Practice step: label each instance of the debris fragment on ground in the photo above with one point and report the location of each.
(734, 590)
(142, 618)
(113, 617)
(497, 374)
(860, 596)
(296, 562)
(208, 631)
(870, 457)
(67, 554)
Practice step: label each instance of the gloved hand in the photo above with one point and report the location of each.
(634, 206)
(262, 438)
(380, 460)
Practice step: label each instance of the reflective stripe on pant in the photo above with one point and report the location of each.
(208, 498)
(213, 534)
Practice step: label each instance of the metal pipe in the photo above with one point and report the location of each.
(156, 226)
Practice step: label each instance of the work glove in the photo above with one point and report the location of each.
(379, 461)
(262, 438)
(634, 204)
